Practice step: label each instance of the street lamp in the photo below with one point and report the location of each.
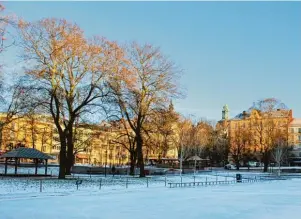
(181, 160)
(106, 159)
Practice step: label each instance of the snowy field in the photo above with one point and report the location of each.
(16, 187)
(263, 200)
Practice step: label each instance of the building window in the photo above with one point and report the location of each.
(299, 130)
(291, 130)
(299, 137)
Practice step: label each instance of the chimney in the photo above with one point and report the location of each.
(244, 114)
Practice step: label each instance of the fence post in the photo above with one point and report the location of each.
(165, 180)
(40, 185)
(147, 182)
(206, 180)
(216, 179)
(100, 184)
(193, 180)
(181, 181)
(126, 182)
(226, 178)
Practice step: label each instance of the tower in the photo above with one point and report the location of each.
(171, 107)
(225, 112)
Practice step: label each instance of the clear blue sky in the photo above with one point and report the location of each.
(231, 52)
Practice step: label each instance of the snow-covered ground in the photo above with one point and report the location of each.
(16, 186)
(26, 185)
(263, 200)
(30, 170)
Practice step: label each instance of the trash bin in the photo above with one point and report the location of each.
(238, 178)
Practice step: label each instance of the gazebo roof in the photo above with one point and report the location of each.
(29, 153)
(195, 157)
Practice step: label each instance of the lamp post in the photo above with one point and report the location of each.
(181, 160)
(106, 160)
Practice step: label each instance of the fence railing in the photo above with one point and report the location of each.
(88, 183)
(209, 183)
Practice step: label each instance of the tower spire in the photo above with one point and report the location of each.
(171, 107)
(225, 112)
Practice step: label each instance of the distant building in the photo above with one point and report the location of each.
(98, 144)
(252, 120)
(295, 142)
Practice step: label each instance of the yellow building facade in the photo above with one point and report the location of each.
(255, 130)
(94, 144)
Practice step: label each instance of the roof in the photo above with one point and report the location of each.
(268, 107)
(82, 156)
(30, 153)
(296, 123)
(280, 113)
(197, 158)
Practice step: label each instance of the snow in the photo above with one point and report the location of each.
(30, 170)
(264, 200)
(13, 186)
(148, 198)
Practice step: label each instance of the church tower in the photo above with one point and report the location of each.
(171, 107)
(225, 112)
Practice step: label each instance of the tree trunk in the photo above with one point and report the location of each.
(1, 130)
(266, 161)
(70, 154)
(63, 160)
(70, 162)
(140, 154)
(237, 163)
(133, 162)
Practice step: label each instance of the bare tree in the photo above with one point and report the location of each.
(46, 138)
(269, 126)
(126, 139)
(69, 73)
(240, 142)
(32, 126)
(183, 141)
(4, 21)
(15, 105)
(84, 138)
(278, 154)
(161, 131)
(151, 84)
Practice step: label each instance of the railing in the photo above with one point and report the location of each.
(209, 183)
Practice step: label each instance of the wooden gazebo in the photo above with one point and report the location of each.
(196, 162)
(26, 153)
